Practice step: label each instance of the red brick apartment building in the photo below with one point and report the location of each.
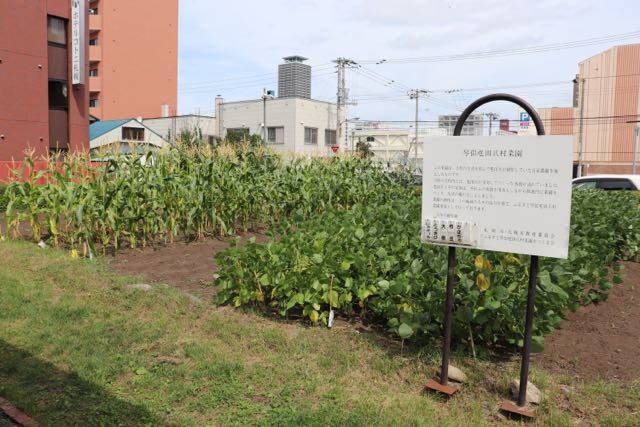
(44, 94)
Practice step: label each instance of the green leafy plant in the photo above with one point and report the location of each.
(3, 198)
(367, 261)
(187, 191)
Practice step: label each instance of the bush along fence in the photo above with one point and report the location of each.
(368, 261)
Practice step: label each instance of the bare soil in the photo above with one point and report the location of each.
(597, 341)
(600, 341)
(188, 266)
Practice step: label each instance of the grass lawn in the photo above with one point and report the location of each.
(79, 348)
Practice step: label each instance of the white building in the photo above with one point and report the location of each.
(293, 125)
(473, 126)
(170, 128)
(126, 136)
(391, 144)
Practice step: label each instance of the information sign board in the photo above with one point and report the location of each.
(508, 193)
(78, 41)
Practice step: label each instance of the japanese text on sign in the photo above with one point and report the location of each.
(509, 194)
(78, 41)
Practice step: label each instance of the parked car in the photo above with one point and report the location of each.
(609, 182)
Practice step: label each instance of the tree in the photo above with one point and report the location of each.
(363, 149)
(242, 137)
(191, 137)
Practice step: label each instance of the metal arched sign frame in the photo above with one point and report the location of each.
(533, 275)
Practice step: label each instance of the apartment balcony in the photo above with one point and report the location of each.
(95, 22)
(95, 84)
(95, 53)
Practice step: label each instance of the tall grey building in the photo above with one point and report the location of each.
(472, 127)
(294, 78)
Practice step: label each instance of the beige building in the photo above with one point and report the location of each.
(293, 125)
(175, 127)
(133, 54)
(126, 136)
(607, 94)
(558, 120)
(609, 97)
(390, 144)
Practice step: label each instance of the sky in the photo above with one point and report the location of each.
(233, 48)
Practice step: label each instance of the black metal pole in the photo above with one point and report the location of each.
(528, 331)
(448, 309)
(533, 267)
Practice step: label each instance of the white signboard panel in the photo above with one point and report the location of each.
(78, 41)
(508, 193)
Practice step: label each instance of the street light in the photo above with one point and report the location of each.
(266, 94)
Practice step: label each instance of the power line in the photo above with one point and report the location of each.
(620, 116)
(509, 52)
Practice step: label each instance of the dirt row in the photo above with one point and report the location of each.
(597, 341)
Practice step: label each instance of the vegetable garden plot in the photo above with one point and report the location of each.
(368, 261)
(192, 193)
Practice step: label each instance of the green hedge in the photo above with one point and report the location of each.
(368, 261)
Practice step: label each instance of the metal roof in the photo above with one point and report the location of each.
(98, 129)
(295, 58)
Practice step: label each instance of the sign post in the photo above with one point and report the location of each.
(508, 194)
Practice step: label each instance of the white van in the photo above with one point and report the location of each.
(609, 182)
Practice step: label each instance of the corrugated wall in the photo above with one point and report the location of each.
(611, 82)
(598, 84)
(560, 121)
(627, 95)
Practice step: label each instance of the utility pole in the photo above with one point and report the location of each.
(636, 136)
(342, 100)
(264, 115)
(581, 131)
(635, 149)
(415, 94)
(491, 117)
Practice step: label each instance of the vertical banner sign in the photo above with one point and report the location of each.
(78, 41)
(507, 194)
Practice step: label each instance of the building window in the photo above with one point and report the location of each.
(93, 72)
(275, 135)
(58, 95)
(56, 30)
(132, 134)
(330, 137)
(371, 139)
(93, 103)
(311, 136)
(93, 41)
